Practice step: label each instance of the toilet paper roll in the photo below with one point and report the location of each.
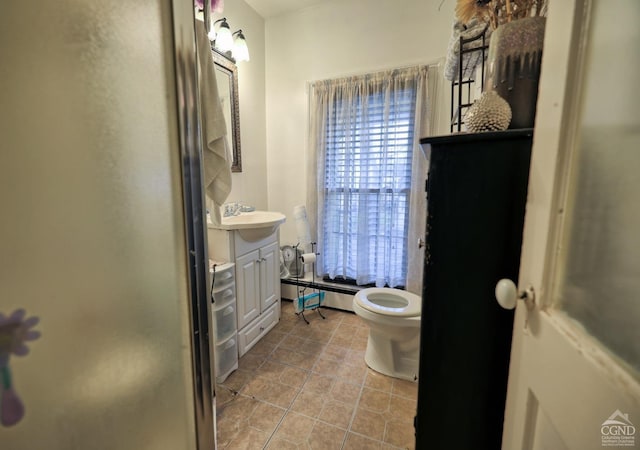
(308, 258)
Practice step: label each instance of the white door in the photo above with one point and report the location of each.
(575, 365)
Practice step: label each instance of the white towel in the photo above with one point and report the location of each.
(216, 155)
(470, 60)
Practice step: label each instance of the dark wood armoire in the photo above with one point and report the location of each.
(476, 195)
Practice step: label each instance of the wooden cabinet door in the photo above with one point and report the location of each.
(269, 275)
(476, 197)
(248, 287)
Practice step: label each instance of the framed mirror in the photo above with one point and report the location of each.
(227, 80)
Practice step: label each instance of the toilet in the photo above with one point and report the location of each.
(393, 317)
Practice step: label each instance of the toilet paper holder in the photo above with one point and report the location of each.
(314, 300)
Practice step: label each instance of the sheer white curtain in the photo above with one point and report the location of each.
(430, 120)
(364, 150)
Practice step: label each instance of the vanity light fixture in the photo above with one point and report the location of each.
(240, 49)
(223, 37)
(232, 45)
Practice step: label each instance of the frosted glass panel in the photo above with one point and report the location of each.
(92, 231)
(599, 279)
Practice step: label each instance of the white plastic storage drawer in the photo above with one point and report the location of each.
(222, 274)
(224, 295)
(226, 357)
(224, 321)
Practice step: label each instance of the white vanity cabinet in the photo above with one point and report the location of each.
(257, 277)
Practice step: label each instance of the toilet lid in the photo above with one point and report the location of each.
(389, 302)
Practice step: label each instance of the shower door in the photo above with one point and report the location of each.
(99, 232)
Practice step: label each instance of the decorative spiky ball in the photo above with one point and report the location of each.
(489, 113)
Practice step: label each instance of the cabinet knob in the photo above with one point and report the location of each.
(261, 328)
(420, 243)
(507, 294)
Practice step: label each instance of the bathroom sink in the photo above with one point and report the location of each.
(253, 225)
(253, 219)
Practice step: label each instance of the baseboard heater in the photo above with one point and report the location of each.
(320, 285)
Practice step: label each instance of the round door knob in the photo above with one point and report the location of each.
(506, 293)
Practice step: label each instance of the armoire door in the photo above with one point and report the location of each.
(477, 187)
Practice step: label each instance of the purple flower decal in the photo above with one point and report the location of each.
(217, 6)
(15, 331)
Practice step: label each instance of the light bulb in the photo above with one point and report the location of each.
(240, 49)
(224, 39)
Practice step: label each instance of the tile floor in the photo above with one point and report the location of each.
(308, 387)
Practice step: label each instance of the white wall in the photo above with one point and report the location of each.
(336, 38)
(250, 185)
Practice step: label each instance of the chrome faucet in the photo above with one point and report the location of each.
(231, 209)
(236, 208)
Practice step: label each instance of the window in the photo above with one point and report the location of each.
(365, 160)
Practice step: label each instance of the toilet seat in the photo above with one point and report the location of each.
(389, 302)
